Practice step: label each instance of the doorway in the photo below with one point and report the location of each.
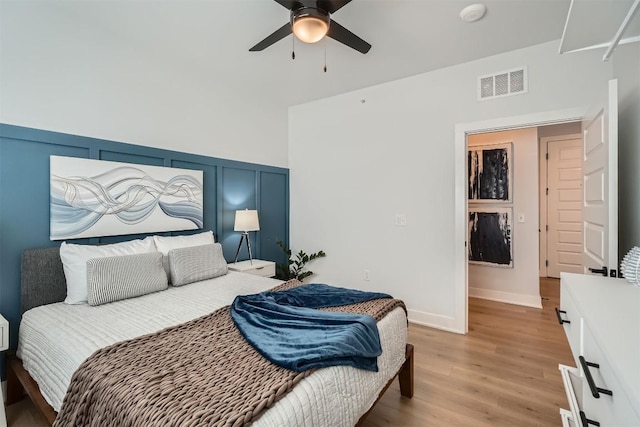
(503, 216)
(462, 131)
(600, 211)
(524, 206)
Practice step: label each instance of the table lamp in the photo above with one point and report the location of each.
(246, 220)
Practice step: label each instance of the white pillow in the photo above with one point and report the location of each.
(166, 243)
(74, 261)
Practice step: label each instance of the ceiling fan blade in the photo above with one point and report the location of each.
(276, 36)
(289, 4)
(346, 37)
(331, 5)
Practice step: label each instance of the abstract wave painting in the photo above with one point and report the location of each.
(91, 198)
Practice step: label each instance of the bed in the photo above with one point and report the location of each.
(55, 338)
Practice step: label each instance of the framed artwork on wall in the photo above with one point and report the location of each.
(489, 236)
(490, 173)
(95, 198)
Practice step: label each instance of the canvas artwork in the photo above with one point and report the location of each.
(91, 198)
(490, 236)
(490, 173)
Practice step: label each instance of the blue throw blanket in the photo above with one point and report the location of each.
(287, 330)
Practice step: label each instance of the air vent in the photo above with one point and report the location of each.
(504, 83)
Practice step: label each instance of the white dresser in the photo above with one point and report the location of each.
(601, 317)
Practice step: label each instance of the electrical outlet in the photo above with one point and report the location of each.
(401, 220)
(367, 275)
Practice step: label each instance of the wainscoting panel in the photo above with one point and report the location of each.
(113, 156)
(24, 199)
(239, 191)
(274, 217)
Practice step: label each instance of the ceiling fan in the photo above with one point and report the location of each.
(310, 22)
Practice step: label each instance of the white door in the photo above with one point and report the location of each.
(600, 175)
(564, 206)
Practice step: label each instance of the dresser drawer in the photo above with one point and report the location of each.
(567, 418)
(610, 410)
(571, 321)
(607, 334)
(573, 386)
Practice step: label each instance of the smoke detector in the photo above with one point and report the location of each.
(473, 13)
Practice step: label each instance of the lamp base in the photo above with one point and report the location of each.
(244, 237)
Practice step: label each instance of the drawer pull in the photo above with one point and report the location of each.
(586, 421)
(595, 390)
(560, 319)
(259, 268)
(602, 271)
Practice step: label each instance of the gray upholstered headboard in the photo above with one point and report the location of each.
(42, 278)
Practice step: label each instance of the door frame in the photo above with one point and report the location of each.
(544, 209)
(462, 130)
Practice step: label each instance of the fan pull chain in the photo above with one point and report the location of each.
(325, 54)
(293, 47)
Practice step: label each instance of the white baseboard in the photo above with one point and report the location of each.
(437, 321)
(510, 298)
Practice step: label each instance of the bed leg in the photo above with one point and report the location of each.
(19, 381)
(406, 373)
(15, 391)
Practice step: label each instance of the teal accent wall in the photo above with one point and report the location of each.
(24, 199)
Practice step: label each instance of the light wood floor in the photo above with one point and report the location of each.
(504, 372)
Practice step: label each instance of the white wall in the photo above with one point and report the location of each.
(59, 74)
(559, 130)
(355, 164)
(626, 60)
(520, 284)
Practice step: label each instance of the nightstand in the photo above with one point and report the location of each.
(4, 345)
(257, 267)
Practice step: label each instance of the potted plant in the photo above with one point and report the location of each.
(294, 269)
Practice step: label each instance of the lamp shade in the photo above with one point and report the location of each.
(246, 220)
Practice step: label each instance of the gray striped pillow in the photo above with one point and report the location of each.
(195, 263)
(120, 277)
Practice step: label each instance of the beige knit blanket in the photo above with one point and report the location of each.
(202, 372)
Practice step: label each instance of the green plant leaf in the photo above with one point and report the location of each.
(295, 264)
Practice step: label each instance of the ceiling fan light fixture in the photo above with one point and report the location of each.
(310, 24)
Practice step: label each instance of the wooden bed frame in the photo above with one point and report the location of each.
(43, 266)
(20, 382)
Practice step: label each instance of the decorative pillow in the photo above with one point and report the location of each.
(196, 263)
(120, 277)
(166, 243)
(74, 260)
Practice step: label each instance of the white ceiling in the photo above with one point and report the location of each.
(408, 37)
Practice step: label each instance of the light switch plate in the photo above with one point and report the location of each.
(401, 219)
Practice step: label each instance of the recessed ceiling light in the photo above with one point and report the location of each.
(473, 13)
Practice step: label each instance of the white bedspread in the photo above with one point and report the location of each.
(55, 339)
